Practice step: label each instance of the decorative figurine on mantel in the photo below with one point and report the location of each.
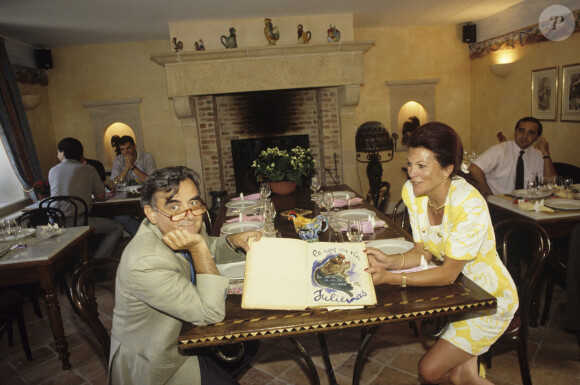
(333, 34)
(303, 37)
(177, 45)
(230, 41)
(199, 45)
(272, 34)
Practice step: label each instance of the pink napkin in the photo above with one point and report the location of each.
(248, 197)
(344, 202)
(246, 218)
(367, 226)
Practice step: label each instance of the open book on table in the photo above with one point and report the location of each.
(292, 274)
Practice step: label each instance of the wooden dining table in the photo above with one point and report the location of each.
(118, 204)
(395, 304)
(43, 262)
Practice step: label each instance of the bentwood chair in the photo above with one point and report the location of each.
(10, 309)
(41, 217)
(380, 196)
(400, 216)
(525, 261)
(31, 219)
(61, 202)
(99, 274)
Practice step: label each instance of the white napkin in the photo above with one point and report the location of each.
(536, 206)
(48, 231)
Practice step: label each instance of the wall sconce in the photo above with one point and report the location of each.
(31, 101)
(372, 137)
(502, 69)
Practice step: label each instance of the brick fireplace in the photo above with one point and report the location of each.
(228, 95)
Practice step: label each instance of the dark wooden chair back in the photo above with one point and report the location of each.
(400, 216)
(380, 196)
(10, 309)
(523, 247)
(41, 217)
(77, 203)
(98, 272)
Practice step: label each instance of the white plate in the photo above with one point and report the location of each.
(23, 234)
(134, 189)
(240, 227)
(354, 214)
(342, 194)
(240, 205)
(532, 194)
(234, 270)
(563, 204)
(392, 246)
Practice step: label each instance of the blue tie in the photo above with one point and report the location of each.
(187, 256)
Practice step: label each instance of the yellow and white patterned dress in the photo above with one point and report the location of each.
(466, 233)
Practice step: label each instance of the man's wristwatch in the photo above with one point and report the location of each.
(133, 168)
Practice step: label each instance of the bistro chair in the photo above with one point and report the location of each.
(380, 196)
(41, 217)
(525, 264)
(400, 216)
(10, 309)
(31, 219)
(77, 203)
(97, 274)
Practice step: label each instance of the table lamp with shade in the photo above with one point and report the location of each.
(372, 137)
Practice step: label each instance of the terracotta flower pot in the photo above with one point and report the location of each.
(282, 188)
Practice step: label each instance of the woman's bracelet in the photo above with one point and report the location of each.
(404, 281)
(402, 264)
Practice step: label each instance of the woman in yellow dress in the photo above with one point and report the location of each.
(451, 224)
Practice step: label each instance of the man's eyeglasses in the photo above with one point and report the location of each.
(199, 208)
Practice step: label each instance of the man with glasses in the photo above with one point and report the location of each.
(496, 169)
(167, 275)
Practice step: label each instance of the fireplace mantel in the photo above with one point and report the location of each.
(263, 68)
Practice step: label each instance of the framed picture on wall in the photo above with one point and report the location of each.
(544, 93)
(570, 93)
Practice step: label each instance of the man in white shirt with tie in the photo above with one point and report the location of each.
(496, 169)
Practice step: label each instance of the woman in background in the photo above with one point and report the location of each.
(451, 225)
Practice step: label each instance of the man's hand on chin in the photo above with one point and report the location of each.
(181, 239)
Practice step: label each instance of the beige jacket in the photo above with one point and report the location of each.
(153, 295)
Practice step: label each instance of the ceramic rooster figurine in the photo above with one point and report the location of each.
(308, 228)
(177, 45)
(272, 34)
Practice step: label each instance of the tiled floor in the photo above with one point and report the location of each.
(392, 356)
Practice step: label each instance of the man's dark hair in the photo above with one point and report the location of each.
(166, 180)
(124, 140)
(72, 148)
(531, 119)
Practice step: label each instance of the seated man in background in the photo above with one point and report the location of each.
(167, 275)
(133, 168)
(71, 177)
(496, 169)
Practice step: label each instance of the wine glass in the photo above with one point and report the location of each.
(354, 230)
(327, 201)
(3, 229)
(314, 184)
(265, 191)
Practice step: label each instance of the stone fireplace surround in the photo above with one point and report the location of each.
(318, 84)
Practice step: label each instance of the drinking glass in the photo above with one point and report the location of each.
(265, 191)
(567, 183)
(3, 229)
(354, 230)
(314, 184)
(327, 201)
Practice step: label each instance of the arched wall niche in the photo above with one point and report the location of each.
(421, 91)
(107, 112)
